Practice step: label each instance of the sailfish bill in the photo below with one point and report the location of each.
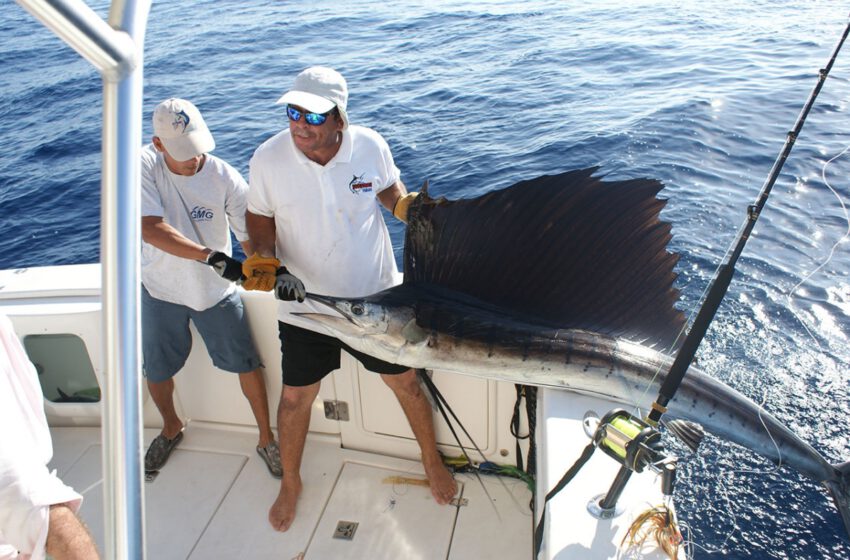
(562, 281)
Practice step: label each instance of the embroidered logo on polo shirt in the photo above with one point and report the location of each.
(201, 214)
(358, 185)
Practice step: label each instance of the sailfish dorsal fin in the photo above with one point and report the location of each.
(571, 249)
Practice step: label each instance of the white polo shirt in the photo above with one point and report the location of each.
(203, 207)
(328, 222)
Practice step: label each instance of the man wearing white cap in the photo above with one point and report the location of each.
(190, 202)
(314, 203)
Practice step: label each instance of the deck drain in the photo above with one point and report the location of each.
(345, 530)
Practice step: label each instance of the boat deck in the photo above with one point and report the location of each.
(211, 501)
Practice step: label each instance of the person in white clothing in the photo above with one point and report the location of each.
(313, 204)
(38, 512)
(191, 200)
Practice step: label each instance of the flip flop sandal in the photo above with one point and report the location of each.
(159, 450)
(271, 456)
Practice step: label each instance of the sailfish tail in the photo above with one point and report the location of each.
(839, 489)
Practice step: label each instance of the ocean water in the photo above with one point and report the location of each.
(475, 96)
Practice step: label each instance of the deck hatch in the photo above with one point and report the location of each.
(64, 368)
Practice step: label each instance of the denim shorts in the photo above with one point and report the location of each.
(308, 356)
(167, 341)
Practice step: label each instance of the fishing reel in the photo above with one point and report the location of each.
(635, 445)
(628, 440)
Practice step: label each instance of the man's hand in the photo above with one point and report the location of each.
(260, 272)
(226, 267)
(287, 287)
(402, 206)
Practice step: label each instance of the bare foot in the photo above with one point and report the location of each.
(443, 485)
(282, 512)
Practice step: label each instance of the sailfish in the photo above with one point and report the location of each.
(561, 281)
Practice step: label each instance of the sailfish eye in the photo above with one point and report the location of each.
(357, 308)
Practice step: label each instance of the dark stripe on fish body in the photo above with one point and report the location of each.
(545, 351)
(569, 353)
(593, 350)
(525, 348)
(491, 337)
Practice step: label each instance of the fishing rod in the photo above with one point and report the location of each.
(723, 277)
(635, 443)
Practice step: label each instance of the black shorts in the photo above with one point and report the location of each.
(309, 356)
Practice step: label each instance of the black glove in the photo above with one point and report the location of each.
(287, 287)
(226, 267)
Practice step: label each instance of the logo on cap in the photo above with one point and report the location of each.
(181, 121)
(358, 185)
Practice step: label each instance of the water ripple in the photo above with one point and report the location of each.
(477, 96)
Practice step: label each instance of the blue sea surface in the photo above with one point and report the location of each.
(475, 96)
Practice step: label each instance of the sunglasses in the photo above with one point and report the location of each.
(315, 119)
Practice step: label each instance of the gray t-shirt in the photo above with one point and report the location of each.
(202, 207)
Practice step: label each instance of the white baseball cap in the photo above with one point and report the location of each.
(182, 130)
(319, 89)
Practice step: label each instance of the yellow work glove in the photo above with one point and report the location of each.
(402, 206)
(260, 272)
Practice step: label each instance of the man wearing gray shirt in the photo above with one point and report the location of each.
(190, 202)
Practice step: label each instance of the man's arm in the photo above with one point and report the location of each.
(261, 267)
(261, 231)
(261, 234)
(165, 238)
(247, 247)
(397, 200)
(67, 536)
(390, 195)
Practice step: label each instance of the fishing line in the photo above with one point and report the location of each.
(846, 220)
(687, 544)
(790, 293)
(778, 464)
(767, 431)
(679, 337)
(721, 549)
(443, 406)
(720, 283)
(683, 330)
(94, 485)
(722, 487)
(790, 299)
(716, 290)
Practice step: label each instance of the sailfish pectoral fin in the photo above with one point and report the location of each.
(689, 433)
(413, 333)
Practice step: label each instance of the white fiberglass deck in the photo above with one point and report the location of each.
(211, 501)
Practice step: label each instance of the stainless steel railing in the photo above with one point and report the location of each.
(115, 48)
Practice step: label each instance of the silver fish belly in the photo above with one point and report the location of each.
(574, 360)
